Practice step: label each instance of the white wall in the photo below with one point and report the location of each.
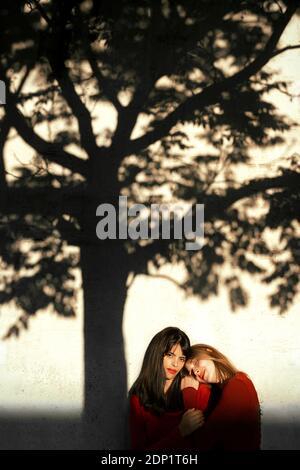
(42, 371)
(257, 339)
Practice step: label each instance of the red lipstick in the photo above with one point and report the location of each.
(172, 371)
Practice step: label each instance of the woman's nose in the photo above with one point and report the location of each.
(174, 361)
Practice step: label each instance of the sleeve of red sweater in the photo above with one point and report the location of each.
(173, 440)
(198, 399)
(234, 423)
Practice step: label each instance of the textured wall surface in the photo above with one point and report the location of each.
(42, 372)
(258, 341)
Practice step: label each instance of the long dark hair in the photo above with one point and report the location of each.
(149, 386)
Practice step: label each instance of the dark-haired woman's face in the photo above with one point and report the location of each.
(173, 362)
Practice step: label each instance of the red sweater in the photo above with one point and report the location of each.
(149, 431)
(234, 424)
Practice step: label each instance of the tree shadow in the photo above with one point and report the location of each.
(88, 53)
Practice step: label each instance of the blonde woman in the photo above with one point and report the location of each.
(234, 421)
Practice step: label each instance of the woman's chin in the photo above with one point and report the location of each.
(201, 381)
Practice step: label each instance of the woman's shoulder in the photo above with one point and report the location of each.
(136, 406)
(242, 376)
(134, 400)
(134, 397)
(242, 388)
(241, 380)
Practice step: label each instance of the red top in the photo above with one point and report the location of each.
(234, 424)
(149, 431)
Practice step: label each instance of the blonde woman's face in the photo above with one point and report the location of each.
(203, 369)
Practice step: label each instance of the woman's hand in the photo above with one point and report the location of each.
(190, 421)
(189, 381)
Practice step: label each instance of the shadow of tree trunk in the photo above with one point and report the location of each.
(104, 272)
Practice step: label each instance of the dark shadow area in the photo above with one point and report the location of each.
(281, 435)
(40, 432)
(46, 432)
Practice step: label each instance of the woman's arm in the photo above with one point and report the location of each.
(195, 394)
(174, 439)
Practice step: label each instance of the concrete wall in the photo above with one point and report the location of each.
(258, 340)
(41, 373)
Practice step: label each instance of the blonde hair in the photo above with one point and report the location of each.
(225, 370)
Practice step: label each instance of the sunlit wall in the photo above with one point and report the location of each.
(42, 371)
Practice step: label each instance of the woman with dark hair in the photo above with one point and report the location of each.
(234, 422)
(157, 418)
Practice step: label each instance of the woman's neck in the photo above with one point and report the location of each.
(168, 384)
